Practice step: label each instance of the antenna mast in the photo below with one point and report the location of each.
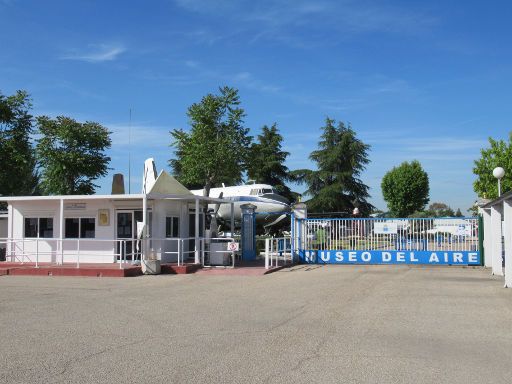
(130, 153)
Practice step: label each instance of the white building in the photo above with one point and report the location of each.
(167, 222)
(497, 218)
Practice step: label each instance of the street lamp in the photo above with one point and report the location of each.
(498, 173)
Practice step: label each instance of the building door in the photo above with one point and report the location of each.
(128, 222)
(125, 231)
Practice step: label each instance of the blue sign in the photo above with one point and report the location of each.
(391, 257)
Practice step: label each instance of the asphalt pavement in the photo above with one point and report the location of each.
(306, 324)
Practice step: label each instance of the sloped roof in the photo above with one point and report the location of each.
(165, 184)
(499, 200)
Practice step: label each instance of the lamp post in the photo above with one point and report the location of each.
(498, 173)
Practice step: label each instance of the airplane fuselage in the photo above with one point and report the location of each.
(268, 203)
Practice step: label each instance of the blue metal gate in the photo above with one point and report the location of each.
(443, 241)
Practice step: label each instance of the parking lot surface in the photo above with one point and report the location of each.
(306, 324)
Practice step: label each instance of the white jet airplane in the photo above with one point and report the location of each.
(270, 206)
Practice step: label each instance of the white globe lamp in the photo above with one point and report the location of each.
(498, 173)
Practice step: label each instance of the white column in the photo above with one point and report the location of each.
(9, 250)
(61, 229)
(144, 224)
(507, 233)
(486, 215)
(232, 219)
(496, 246)
(196, 254)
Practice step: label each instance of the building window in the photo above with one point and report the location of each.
(172, 226)
(31, 225)
(83, 228)
(71, 228)
(87, 228)
(39, 227)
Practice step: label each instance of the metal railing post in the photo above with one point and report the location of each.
(124, 253)
(37, 253)
(267, 246)
(179, 251)
(202, 250)
(78, 254)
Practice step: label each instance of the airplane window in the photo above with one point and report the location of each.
(266, 190)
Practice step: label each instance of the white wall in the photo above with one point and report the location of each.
(48, 248)
(92, 250)
(167, 250)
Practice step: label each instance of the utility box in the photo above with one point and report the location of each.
(219, 255)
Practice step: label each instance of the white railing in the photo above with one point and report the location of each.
(182, 248)
(440, 234)
(122, 251)
(185, 249)
(278, 250)
(65, 251)
(216, 252)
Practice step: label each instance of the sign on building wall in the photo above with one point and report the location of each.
(103, 217)
(391, 257)
(75, 206)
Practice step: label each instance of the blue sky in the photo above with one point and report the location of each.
(417, 80)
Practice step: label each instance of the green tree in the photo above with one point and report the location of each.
(440, 210)
(266, 161)
(18, 175)
(71, 155)
(499, 154)
(405, 189)
(335, 186)
(215, 150)
(458, 213)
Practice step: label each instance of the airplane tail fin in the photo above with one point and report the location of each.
(149, 176)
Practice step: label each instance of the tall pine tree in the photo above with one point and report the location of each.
(335, 186)
(266, 161)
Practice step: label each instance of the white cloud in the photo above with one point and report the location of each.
(242, 79)
(96, 53)
(279, 20)
(247, 80)
(139, 136)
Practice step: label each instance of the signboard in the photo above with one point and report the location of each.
(103, 217)
(392, 257)
(75, 206)
(233, 247)
(385, 228)
(456, 227)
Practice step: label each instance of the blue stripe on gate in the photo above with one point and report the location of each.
(390, 257)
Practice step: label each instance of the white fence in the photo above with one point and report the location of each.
(62, 251)
(442, 234)
(278, 252)
(123, 251)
